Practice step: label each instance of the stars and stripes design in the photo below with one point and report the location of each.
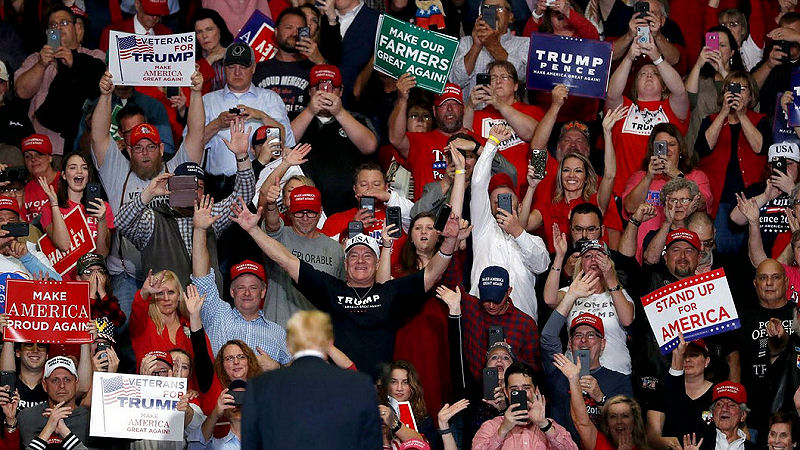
(118, 386)
(129, 45)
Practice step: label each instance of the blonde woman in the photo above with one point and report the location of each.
(159, 318)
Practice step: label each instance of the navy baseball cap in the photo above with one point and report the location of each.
(493, 284)
(191, 168)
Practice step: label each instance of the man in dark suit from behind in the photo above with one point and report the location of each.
(311, 404)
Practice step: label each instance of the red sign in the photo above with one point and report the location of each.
(81, 243)
(53, 312)
(259, 33)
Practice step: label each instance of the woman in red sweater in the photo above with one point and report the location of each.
(732, 147)
(159, 318)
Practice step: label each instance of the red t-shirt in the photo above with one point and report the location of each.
(630, 136)
(514, 149)
(425, 159)
(35, 198)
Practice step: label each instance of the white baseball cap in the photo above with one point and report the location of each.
(57, 362)
(363, 239)
(788, 150)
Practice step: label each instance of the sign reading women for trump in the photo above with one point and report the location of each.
(143, 60)
(401, 47)
(582, 65)
(697, 306)
(137, 407)
(55, 312)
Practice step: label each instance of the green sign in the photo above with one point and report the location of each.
(401, 47)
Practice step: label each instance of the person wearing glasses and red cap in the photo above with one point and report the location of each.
(304, 239)
(424, 152)
(324, 124)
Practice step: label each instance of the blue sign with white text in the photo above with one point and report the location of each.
(583, 65)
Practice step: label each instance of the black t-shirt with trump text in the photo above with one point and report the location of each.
(365, 320)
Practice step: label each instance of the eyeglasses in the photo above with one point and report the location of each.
(505, 77)
(708, 243)
(796, 202)
(63, 23)
(423, 117)
(95, 270)
(581, 230)
(150, 148)
(731, 24)
(160, 373)
(12, 191)
(231, 358)
(589, 336)
(301, 214)
(678, 201)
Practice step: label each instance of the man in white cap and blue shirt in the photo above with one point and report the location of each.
(366, 313)
(773, 196)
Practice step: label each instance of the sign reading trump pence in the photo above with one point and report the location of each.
(143, 60)
(54, 312)
(401, 47)
(137, 407)
(697, 306)
(582, 65)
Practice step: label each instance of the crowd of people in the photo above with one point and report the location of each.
(244, 227)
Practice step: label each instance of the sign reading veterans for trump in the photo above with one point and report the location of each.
(259, 34)
(582, 65)
(143, 60)
(401, 47)
(55, 312)
(137, 407)
(80, 243)
(697, 306)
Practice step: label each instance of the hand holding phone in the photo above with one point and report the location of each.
(442, 217)
(489, 15)
(712, 40)
(490, 382)
(394, 217)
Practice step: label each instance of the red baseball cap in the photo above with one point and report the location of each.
(590, 320)
(38, 143)
(325, 72)
(700, 345)
(451, 91)
(730, 390)
(682, 234)
(247, 266)
(500, 179)
(145, 131)
(161, 356)
(9, 204)
(305, 198)
(155, 7)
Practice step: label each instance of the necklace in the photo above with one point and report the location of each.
(360, 297)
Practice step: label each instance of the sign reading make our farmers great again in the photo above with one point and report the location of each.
(401, 47)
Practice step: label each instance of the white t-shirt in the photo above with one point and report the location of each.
(615, 356)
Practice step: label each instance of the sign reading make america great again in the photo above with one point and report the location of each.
(401, 47)
(143, 60)
(55, 312)
(582, 65)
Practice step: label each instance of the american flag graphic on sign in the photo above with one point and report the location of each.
(129, 45)
(116, 387)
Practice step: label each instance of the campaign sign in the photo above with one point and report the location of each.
(143, 60)
(404, 412)
(582, 65)
(259, 34)
(137, 407)
(697, 306)
(781, 130)
(3, 277)
(401, 47)
(81, 243)
(54, 312)
(794, 107)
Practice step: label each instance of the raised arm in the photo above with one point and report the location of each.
(359, 134)
(545, 127)
(441, 260)
(755, 245)
(678, 97)
(195, 120)
(101, 120)
(272, 248)
(605, 190)
(586, 429)
(627, 244)
(57, 229)
(398, 120)
(551, 285)
(619, 79)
